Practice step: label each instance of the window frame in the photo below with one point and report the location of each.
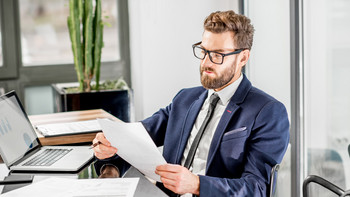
(8, 38)
(1, 22)
(15, 76)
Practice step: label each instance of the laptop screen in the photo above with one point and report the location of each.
(17, 135)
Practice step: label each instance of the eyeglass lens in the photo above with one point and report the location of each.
(213, 56)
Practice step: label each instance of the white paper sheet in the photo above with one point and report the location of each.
(57, 187)
(134, 145)
(68, 128)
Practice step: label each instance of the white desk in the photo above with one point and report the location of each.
(3, 172)
(144, 188)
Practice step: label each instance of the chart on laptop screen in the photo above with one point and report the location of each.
(5, 126)
(16, 134)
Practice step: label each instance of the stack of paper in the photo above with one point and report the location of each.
(69, 128)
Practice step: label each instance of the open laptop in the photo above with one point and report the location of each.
(20, 147)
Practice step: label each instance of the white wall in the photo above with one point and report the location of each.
(161, 35)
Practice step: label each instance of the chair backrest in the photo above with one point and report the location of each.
(346, 193)
(273, 180)
(324, 183)
(327, 163)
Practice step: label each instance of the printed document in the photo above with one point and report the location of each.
(68, 128)
(57, 187)
(134, 145)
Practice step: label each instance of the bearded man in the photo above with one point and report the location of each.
(220, 139)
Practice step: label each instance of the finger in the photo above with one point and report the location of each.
(170, 168)
(167, 180)
(167, 175)
(103, 154)
(101, 137)
(95, 140)
(98, 137)
(103, 149)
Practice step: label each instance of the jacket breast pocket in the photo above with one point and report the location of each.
(235, 133)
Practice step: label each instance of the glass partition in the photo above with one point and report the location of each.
(44, 32)
(269, 65)
(327, 98)
(0, 44)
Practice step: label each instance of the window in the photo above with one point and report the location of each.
(44, 32)
(38, 49)
(326, 98)
(38, 96)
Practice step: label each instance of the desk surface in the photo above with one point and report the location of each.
(144, 187)
(68, 117)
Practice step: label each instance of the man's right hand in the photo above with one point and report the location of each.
(104, 149)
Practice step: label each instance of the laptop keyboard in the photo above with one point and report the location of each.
(47, 157)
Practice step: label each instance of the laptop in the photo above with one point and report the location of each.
(20, 147)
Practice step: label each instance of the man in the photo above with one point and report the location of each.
(245, 131)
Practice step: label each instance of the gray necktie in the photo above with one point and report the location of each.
(214, 98)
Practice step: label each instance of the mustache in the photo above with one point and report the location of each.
(207, 69)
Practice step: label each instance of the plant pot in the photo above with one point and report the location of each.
(115, 102)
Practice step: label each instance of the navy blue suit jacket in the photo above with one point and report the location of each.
(251, 137)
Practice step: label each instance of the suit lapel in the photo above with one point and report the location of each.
(190, 119)
(230, 110)
(225, 119)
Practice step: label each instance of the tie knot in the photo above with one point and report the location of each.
(214, 98)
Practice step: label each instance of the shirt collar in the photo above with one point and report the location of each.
(227, 93)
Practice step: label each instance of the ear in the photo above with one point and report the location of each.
(243, 58)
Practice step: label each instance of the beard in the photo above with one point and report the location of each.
(219, 81)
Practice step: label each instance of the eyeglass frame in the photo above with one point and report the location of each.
(196, 45)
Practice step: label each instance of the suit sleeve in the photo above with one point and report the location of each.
(156, 125)
(265, 147)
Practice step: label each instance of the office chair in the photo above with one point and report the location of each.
(273, 180)
(346, 193)
(328, 163)
(325, 183)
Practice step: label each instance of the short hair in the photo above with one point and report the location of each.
(220, 22)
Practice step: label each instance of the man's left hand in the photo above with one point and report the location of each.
(178, 179)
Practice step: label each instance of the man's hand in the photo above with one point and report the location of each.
(178, 179)
(104, 149)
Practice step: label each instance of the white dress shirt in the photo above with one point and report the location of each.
(201, 156)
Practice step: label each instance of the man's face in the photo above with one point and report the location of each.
(215, 76)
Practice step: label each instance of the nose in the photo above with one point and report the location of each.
(206, 61)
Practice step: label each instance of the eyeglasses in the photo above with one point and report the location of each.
(215, 57)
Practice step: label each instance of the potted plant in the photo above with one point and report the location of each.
(86, 33)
